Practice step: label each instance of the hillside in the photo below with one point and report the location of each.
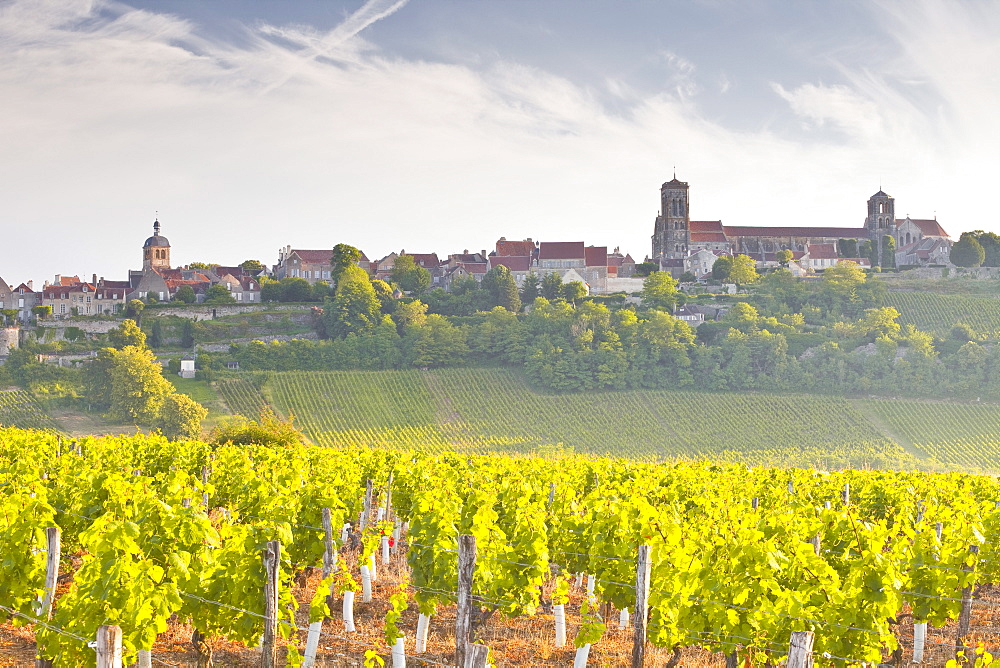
(936, 312)
(491, 409)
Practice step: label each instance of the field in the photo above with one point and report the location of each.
(483, 409)
(936, 313)
(19, 409)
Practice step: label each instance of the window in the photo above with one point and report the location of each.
(62, 308)
(88, 299)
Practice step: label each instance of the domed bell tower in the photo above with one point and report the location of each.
(156, 250)
(670, 235)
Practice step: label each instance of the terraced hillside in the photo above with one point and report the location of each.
(19, 409)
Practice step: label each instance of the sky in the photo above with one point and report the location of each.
(443, 125)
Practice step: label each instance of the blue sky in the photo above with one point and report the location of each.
(441, 125)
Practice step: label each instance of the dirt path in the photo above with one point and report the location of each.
(78, 424)
(884, 429)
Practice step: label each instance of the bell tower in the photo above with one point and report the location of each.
(672, 227)
(156, 250)
(881, 217)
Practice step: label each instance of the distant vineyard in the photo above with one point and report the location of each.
(958, 434)
(19, 409)
(484, 409)
(937, 313)
(241, 397)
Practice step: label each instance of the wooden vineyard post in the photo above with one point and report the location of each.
(204, 486)
(272, 567)
(965, 616)
(800, 650)
(641, 607)
(388, 497)
(845, 496)
(367, 507)
(463, 615)
(329, 554)
(109, 647)
(53, 539)
(755, 503)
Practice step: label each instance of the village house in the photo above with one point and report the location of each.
(312, 265)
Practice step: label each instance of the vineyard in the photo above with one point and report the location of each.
(338, 557)
(489, 409)
(19, 409)
(937, 313)
(966, 435)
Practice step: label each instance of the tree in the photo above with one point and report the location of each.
(185, 294)
(203, 265)
(659, 290)
(9, 316)
(529, 289)
(502, 288)
(721, 268)
(410, 314)
(846, 273)
(644, 269)
(847, 248)
(294, 289)
(866, 249)
(126, 334)
(156, 334)
(991, 245)
(888, 259)
(180, 417)
(252, 266)
(134, 308)
(268, 430)
(574, 291)
(138, 386)
(354, 308)
(342, 257)
(187, 334)
(438, 343)
(967, 252)
(42, 312)
(784, 256)
(743, 271)
(551, 286)
(219, 294)
(688, 277)
(409, 276)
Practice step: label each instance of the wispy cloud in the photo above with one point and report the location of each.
(311, 138)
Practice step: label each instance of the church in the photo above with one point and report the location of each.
(676, 237)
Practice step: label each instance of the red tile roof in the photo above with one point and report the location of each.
(928, 227)
(828, 232)
(314, 256)
(823, 251)
(475, 267)
(705, 226)
(425, 260)
(509, 247)
(717, 237)
(561, 250)
(596, 256)
(512, 262)
(69, 280)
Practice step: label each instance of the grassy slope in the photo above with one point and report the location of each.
(937, 313)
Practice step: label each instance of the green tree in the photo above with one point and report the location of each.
(384, 293)
(203, 265)
(42, 312)
(502, 288)
(252, 266)
(991, 246)
(847, 248)
(156, 334)
(126, 334)
(888, 259)
(529, 289)
(743, 271)
(644, 269)
(138, 386)
(574, 291)
(967, 251)
(409, 314)
(438, 343)
(180, 417)
(187, 334)
(342, 257)
(270, 290)
(721, 268)
(551, 286)
(268, 430)
(784, 256)
(409, 276)
(134, 308)
(688, 277)
(185, 294)
(219, 294)
(9, 316)
(354, 308)
(659, 290)
(294, 289)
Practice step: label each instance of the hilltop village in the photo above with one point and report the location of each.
(686, 248)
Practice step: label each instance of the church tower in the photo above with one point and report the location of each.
(671, 230)
(881, 216)
(156, 250)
